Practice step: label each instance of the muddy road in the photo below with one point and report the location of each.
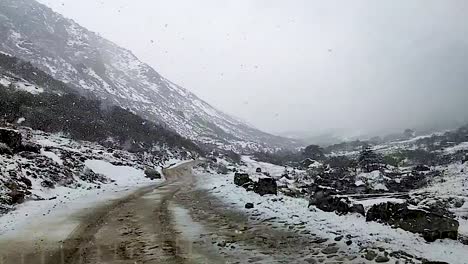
(175, 222)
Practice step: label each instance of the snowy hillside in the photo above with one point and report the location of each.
(37, 166)
(92, 64)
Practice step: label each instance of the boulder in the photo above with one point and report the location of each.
(242, 179)
(431, 225)
(89, 175)
(335, 204)
(358, 209)
(382, 259)
(16, 197)
(258, 170)
(326, 201)
(11, 138)
(370, 255)
(249, 205)
(266, 186)
(47, 184)
(152, 174)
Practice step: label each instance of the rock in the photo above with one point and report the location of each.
(242, 179)
(358, 209)
(458, 202)
(222, 244)
(431, 225)
(349, 242)
(422, 168)
(152, 174)
(370, 255)
(465, 159)
(16, 196)
(382, 259)
(249, 205)
(258, 170)
(30, 147)
(310, 260)
(11, 138)
(5, 149)
(47, 184)
(339, 205)
(338, 238)
(266, 186)
(26, 181)
(319, 194)
(330, 250)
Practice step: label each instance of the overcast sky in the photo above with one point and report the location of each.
(300, 65)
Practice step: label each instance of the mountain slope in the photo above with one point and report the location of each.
(92, 64)
(34, 99)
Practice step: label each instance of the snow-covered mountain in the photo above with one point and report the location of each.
(93, 65)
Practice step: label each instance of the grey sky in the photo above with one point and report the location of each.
(300, 64)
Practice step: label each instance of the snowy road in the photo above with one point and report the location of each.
(174, 222)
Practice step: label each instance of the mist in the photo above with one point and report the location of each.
(357, 67)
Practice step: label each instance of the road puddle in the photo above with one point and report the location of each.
(193, 241)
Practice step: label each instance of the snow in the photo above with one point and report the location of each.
(455, 181)
(28, 88)
(54, 218)
(326, 224)
(374, 180)
(20, 120)
(359, 183)
(252, 165)
(370, 202)
(122, 175)
(315, 164)
(4, 82)
(454, 149)
(52, 156)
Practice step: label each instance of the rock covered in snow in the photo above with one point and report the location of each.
(399, 215)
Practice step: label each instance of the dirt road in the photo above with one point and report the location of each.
(174, 222)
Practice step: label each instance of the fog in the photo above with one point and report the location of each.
(316, 66)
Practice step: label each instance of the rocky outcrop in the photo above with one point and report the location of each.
(431, 225)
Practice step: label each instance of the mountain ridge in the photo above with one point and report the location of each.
(92, 64)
